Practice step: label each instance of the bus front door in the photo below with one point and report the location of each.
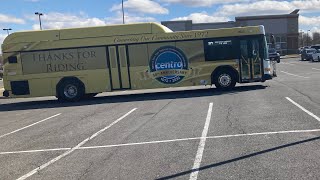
(250, 60)
(119, 67)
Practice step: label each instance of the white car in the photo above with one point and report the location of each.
(316, 55)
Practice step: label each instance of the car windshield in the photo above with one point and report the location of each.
(311, 51)
(272, 51)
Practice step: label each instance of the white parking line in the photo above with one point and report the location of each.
(316, 69)
(74, 148)
(4, 135)
(294, 74)
(163, 141)
(288, 63)
(303, 109)
(202, 143)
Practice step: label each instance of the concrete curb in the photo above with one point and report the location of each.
(290, 56)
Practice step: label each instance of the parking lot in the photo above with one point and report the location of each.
(265, 130)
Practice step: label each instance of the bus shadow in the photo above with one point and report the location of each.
(181, 94)
(173, 176)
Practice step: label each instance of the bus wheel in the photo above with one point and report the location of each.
(70, 90)
(225, 80)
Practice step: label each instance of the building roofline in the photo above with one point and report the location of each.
(267, 17)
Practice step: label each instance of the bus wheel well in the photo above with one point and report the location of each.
(225, 69)
(70, 80)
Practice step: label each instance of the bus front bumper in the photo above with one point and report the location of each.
(266, 77)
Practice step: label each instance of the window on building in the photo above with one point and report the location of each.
(219, 49)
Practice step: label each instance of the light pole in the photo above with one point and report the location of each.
(122, 12)
(7, 29)
(39, 14)
(308, 38)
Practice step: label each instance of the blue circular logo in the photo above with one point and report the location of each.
(168, 65)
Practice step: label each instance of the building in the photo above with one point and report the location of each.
(284, 28)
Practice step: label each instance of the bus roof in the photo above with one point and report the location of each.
(87, 32)
(115, 34)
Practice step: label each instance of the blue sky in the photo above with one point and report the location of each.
(19, 14)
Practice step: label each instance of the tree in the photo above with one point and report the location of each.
(315, 38)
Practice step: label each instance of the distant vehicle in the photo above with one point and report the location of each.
(316, 55)
(274, 55)
(307, 54)
(317, 46)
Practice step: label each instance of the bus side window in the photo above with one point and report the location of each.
(220, 49)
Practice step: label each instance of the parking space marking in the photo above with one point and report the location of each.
(303, 109)
(34, 151)
(202, 143)
(288, 63)
(293, 74)
(316, 69)
(162, 141)
(74, 148)
(4, 135)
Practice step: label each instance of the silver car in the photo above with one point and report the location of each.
(316, 55)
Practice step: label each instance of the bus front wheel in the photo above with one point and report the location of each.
(225, 80)
(70, 90)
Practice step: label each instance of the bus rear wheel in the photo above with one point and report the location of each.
(70, 90)
(225, 80)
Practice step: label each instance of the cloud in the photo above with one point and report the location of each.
(10, 19)
(202, 17)
(268, 7)
(141, 6)
(202, 3)
(129, 18)
(256, 8)
(309, 21)
(56, 20)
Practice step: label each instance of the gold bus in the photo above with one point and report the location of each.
(81, 62)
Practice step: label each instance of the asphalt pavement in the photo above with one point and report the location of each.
(265, 130)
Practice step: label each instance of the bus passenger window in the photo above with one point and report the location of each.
(219, 49)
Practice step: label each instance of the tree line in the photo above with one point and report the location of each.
(306, 39)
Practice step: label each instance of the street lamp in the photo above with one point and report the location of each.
(308, 38)
(122, 12)
(39, 14)
(7, 29)
(301, 32)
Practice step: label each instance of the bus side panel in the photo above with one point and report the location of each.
(199, 70)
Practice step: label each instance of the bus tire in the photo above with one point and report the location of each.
(70, 89)
(225, 80)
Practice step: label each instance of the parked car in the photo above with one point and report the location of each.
(317, 46)
(274, 55)
(316, 55)
(307, 54)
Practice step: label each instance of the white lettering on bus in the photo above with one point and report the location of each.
(169, 65)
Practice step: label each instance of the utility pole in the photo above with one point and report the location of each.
(39, 14)
(7, 29)
(122, 12)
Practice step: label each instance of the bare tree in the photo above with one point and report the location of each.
(315, 38)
